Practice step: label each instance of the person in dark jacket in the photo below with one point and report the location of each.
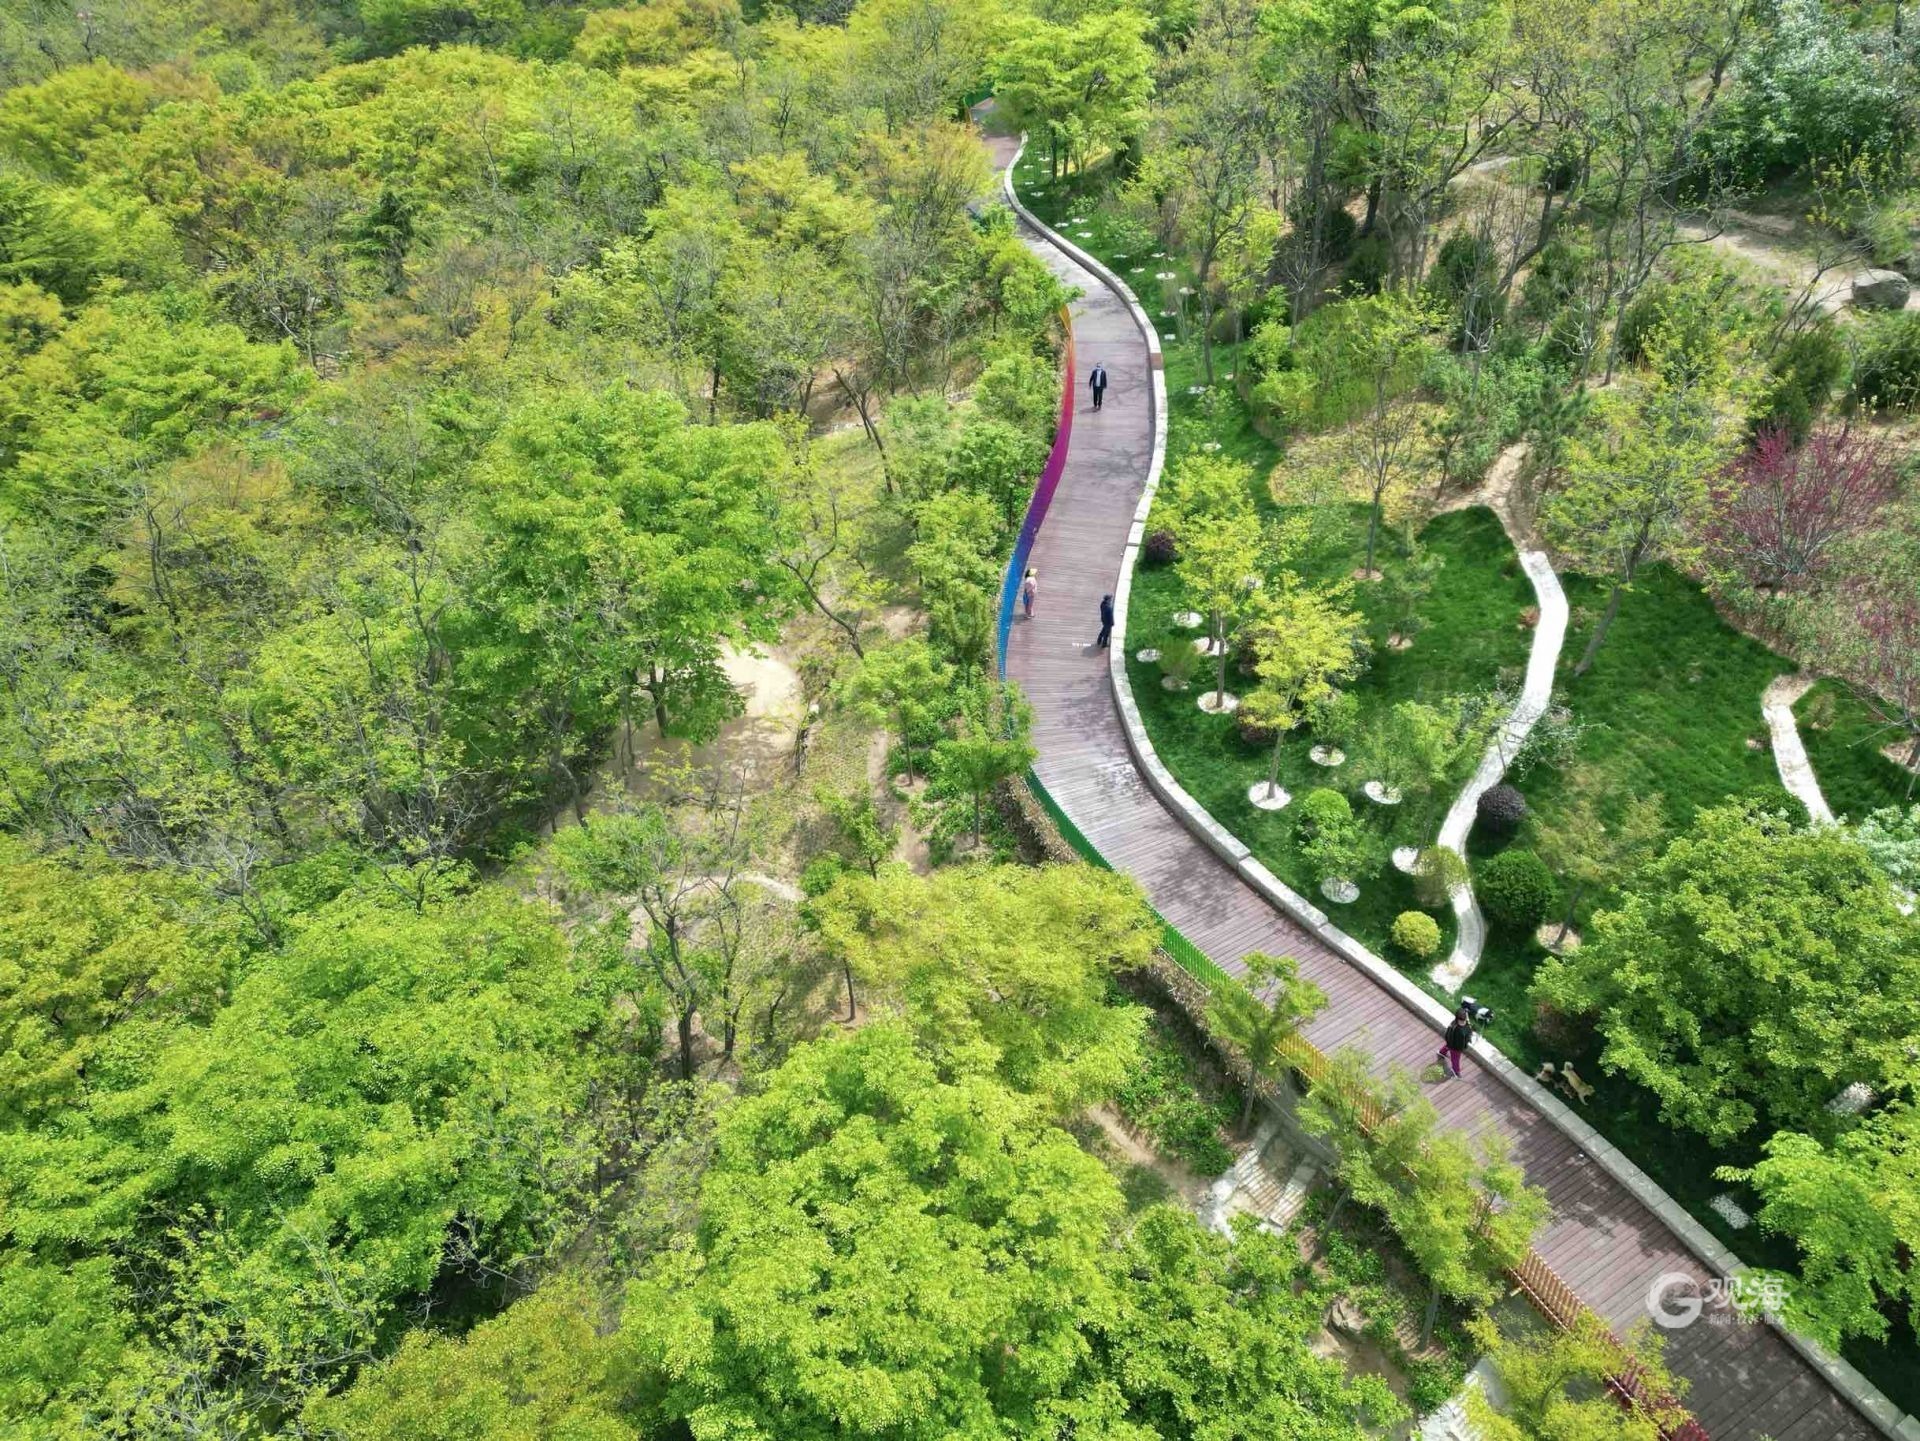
(1459, 1037)
(1097, 383)
(1106, 621)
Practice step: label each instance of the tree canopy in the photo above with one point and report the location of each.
(1749, 973)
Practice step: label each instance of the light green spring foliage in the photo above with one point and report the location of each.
(1416, 933)
(544, 1370)
(84, 954)
(904, 686)
(1748, 974)
(1256, 1013)
(884, 1252)
(1555, 1385)
(881, 1252)
(1851, 1206)
(1465, 1213)
(991, 744)
(390, 1088)
(1002, 970)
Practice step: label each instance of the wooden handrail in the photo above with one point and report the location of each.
(1551, 1296)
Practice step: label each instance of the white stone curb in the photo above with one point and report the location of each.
(1536, 693)
(1789, 751)
(1843, 1377)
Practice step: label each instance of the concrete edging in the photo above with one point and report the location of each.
(1536, 695)
(1844, 1378)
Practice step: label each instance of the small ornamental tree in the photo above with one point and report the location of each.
(1406, 587)
(1377, 340)
(1555, 1385)
(1333, 843)
(1304, 641)
(1258, 1013)
(1587, 850)
(903, 685)
(990, 744)
(1411, 747)
(1437, 874)
(1779, 510)
(1465, 1218)
(1221, 547)
(1636, 481)
(1334, 718)
(861, 837)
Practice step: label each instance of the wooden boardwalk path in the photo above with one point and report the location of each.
(1745, 1382)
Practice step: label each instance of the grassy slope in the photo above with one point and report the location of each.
(1843, 741)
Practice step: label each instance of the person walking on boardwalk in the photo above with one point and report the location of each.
(1097, 383)
(1459, 1037)
(1028, 589)
(1106, 621)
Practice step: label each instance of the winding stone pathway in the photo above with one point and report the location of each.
(1789, 754)
(1536, 693)
(1614, 1238)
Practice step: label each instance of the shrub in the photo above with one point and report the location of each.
(1334, 718)
(821, 873)
(1021, 390)
(1368, 265)
(1804, 374)
(1254, 727)
(997, 460)
(1638, 322)
(1515, 890)
(1416, 933)
(1465, 262)
(1808, 91)
(1887, 374)
(1438, 873)
(1501, 811)
(1178, 661)
(1323, 810)
(1161, 548)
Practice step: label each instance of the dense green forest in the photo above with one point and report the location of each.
(436, 1000)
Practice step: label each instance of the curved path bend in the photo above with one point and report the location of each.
(1606, 1240)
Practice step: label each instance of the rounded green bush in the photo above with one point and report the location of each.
(1416, 933)
(1323, 810)
(1515, 890)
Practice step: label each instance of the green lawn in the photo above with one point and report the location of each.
(1473, 637)
(1843, 741)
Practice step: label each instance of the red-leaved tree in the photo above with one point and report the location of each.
(1780, 509)
(1884, 665)
(1865, 627)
